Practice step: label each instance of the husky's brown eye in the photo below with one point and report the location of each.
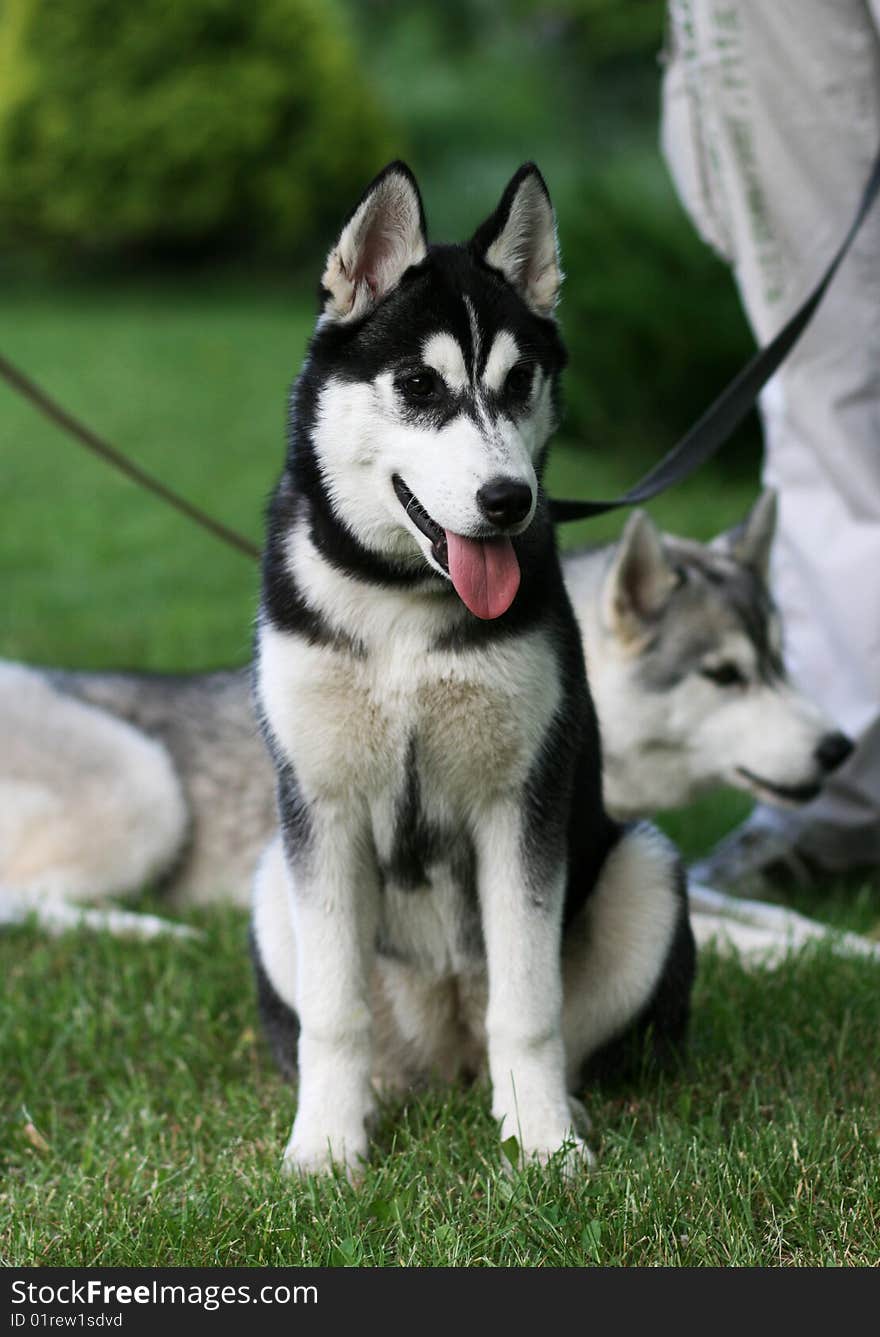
(725, 675)
(519, 381)
(420, 386)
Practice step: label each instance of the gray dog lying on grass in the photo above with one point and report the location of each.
(112, 781)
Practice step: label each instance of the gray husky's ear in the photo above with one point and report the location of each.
(519, 239)
(751, 541)
(640, 581)
(382, 237)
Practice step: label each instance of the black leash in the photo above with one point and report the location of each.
(55, 413)
(698, 445)
(716, 425)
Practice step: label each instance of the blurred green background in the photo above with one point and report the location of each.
(171, 176)
(206, 136)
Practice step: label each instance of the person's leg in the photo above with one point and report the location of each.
(771, 122)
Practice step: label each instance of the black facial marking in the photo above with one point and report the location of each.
(416, 512)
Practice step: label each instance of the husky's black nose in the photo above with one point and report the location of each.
(505, 501)
(833, 751)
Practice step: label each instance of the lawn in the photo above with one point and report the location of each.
(142, 1120)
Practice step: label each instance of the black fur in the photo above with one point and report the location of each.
(293, 812)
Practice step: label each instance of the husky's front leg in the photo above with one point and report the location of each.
(334, 900)
(522, 924)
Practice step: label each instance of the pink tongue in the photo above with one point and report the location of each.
(485, 573)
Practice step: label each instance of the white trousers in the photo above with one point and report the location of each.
(771, 120)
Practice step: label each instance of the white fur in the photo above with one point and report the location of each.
(663, 748)
(334, 907)
(345, 723)
(363, 437)
(442, 353)
(615, 951)
(692, 738)
(761, 934)
(503, 355)
(360, 713)
(96, 838)
(272, 921)
(382, 240)
(55, 916)
(649, 763)
(535, 1027)
(524, 1012)
(526, 249)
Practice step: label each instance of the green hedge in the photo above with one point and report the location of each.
(650, 316)
(175, 124)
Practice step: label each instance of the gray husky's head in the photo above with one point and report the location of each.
(423, 412)
(684, 652)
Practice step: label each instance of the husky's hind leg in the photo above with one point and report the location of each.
(628, 957)
(273, 951)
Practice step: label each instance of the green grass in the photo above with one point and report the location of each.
(142, 1122)
(160, 1123)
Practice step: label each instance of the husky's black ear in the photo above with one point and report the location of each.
(382, 237)
(519, 239)
(640, 581)
(751, 541)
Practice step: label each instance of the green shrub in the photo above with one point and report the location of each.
(175, 124)
(606, 30)
(650, 316)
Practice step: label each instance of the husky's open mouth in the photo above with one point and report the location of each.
(788, 793)
(484, 571)
(422, 520)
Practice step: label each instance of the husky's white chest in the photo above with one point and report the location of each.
(418, 745)
(353, 725)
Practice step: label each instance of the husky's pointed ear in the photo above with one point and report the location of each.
(519, 239)
(382, 237)
(750, 542)
(640, 581)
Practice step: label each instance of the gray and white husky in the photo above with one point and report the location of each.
(684, 649)
(447, 889)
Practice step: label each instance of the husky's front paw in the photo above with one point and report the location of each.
(319, 1153)
(551, 1141)
(570, 1153)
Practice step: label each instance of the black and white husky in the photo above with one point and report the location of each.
(447, 884)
